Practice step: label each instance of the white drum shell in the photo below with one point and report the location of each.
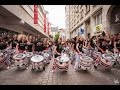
(103, 64)
(86, 64)
(96, 54)
(20, 62)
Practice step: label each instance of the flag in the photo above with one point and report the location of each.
(44, 22)
(35, 14)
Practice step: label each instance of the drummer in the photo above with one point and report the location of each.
(38, 45)
(103, 43)
(45, 44)
(14, 42)
(92, 43)
(78, 48)
(57, 50)
(3, 46)
(117, 43)
(22, 43)
(29, 46)
(58, 47)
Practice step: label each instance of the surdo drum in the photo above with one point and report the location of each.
(96, 54)
(2, 63)
(37, 62)
(85, 62)
(61, 62)
(107, 61)
(46, 57)
(20, 61)
(29, 55)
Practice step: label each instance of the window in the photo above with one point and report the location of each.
(81, 14)
(87, 8)
(98, 19)
(94, 5)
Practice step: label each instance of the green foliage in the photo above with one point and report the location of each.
(57, 36)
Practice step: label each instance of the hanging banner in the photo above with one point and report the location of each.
(35, 14)
(45, 22)
(48, 27)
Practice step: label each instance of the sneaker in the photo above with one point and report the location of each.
(75, 69)
(27, 68)
(8, 67)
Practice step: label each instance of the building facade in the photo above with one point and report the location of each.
(93, 19)
(63, 34)
(67, 28)
(20, 19)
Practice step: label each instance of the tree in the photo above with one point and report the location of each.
(57, 36)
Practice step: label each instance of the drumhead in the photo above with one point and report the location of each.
(86, 58)
(63, 58)
(108, 57)
(29, 54)
(37, 58)
(19, 56)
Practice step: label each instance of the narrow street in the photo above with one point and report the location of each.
(27, 77)
(88, 34)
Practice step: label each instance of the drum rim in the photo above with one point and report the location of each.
(90, 60)
(103, 56)
(18, 54)
(58, 59)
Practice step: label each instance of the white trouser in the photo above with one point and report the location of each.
(77, 60)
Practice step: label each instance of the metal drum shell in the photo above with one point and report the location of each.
(21, 62)
(86, 64)
(96, 54)
(103, 64)
(38, 64)
(61, 65)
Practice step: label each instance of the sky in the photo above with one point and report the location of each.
(56, 15)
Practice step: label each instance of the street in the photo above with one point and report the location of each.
(27, 77)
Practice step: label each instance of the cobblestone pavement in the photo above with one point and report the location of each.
(27, 77)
